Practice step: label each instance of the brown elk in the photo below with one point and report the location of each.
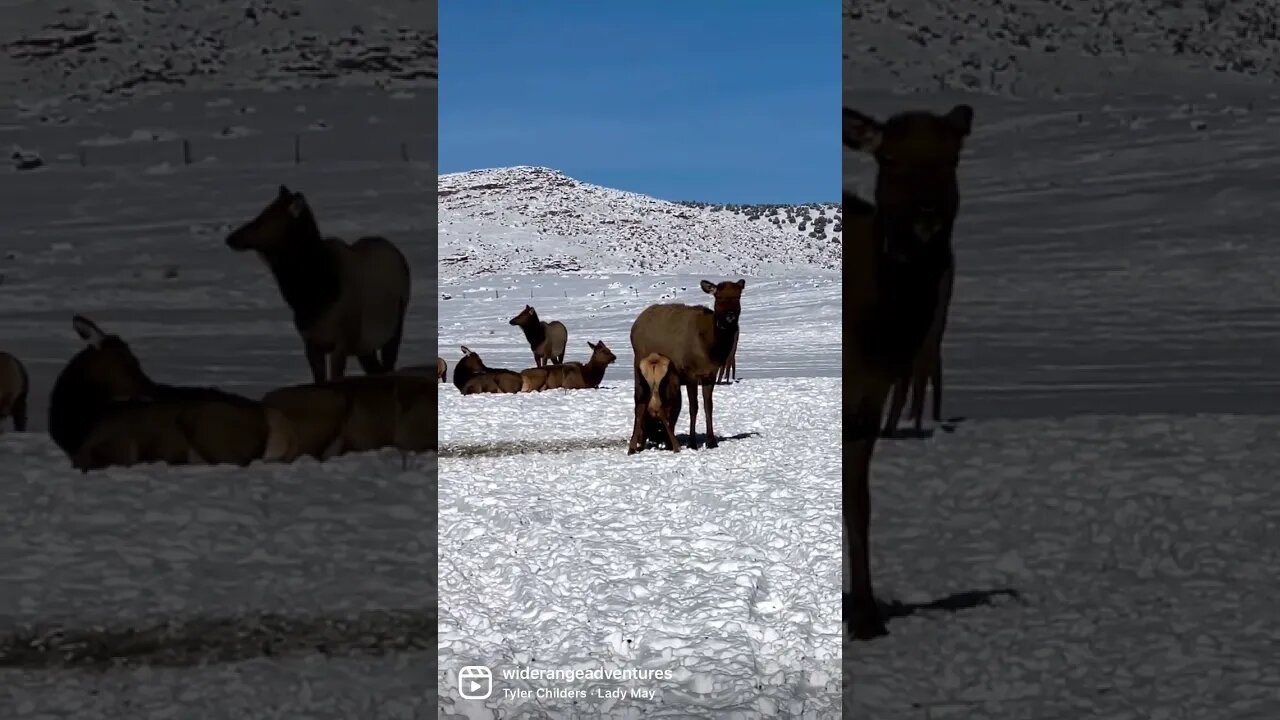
(442, 370)
(897, 252)
(570, 375)
(15, 385)
(359, 414)
(346, 299)
(471, 376)
(104, 410)
(926, 369)
(730, 367)
(659, 409)
(696, 339)
(547, 340)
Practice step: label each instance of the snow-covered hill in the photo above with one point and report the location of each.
(532, 219)
(1040, 48)
(99, 50)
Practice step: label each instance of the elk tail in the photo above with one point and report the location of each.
(654, 369)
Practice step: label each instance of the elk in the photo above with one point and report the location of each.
(926, 369)
(471, 376)
(570, 375)
(104, 410)
(696, 340)
(730, 367)
(15, 385)
(547, 340)
(897, 252)
(346, 299)
(359, 414)
(659, 409)
(442, 370)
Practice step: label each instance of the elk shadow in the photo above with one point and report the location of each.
(702, 438)
(951, 604)
(948, 426)
(216, 640)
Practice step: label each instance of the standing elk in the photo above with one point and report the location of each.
(926, 369)
(347, 299)
(696, 340)
(730, 367)
(656, 414)
(547, 340)
(896, 256)
(15, 386)
(570, 375)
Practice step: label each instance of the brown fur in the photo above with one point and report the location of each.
(570, 375)
(347, 299)
(472, 376)
(442, 370)
(730, 367)
(655, 420)
(926, 368)
(896, 254)
(359, 414)
(696, 339)
(104, 410)
(547, 340)
(15, 386)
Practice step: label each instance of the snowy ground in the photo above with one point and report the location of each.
(1144, 550)
(301, 591)
(561, 552)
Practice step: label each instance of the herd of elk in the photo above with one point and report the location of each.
(105, 410)
(899, 269)
(673, 345)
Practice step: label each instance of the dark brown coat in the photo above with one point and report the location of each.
(547, 340)
(896, 253)
(472, 376)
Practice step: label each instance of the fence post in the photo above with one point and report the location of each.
(495, 294)
(297, 149)
(186, 151)
(404, 151)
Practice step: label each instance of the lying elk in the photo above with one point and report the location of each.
(359, 414)
(696, 339)
(926, 369)
(105, 411)
(730, 367)
(15, 385)
(347, 299)
(659, 408)
(547, 340)
(471, 376)
(570, 375)
(900, 251)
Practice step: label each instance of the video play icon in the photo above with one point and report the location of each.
(475, 682)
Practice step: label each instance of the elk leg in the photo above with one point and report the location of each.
(865, 622)
(706, 400)
(337, 365)
(371, 365)
(937, 389)
(693, 415)
(895, 406)
(315, 359)
(637, 431)
(671, 434)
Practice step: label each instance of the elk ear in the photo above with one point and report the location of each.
(741, 283)
(591, 345)
(708, 287)
(465, 351)
(862, 132)
(284, 192)
(88, 331)
(961, 119)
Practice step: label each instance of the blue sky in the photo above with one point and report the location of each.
(714, 100)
